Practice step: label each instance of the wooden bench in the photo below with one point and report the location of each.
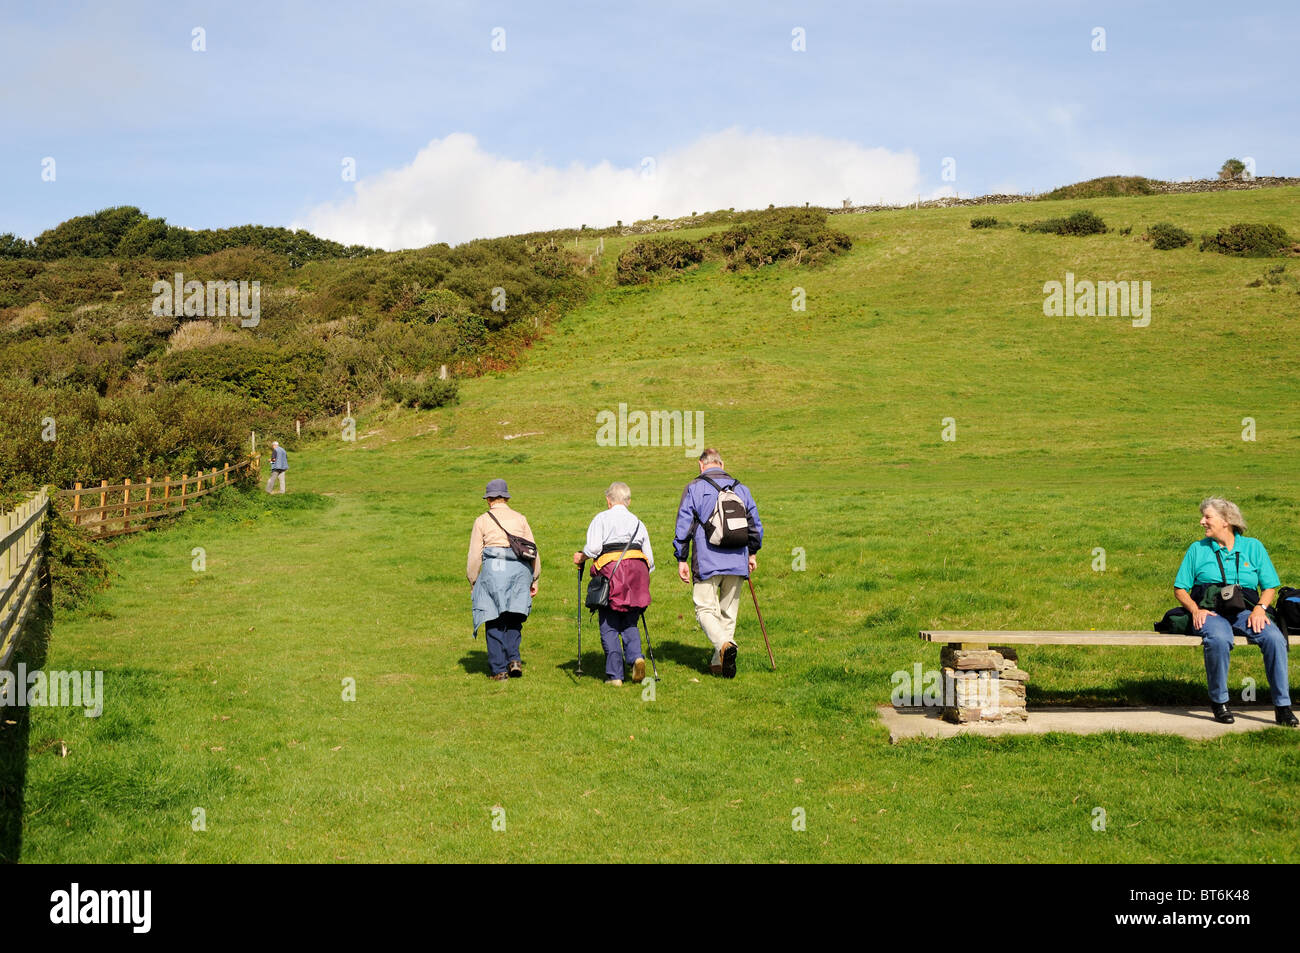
(972, 655)
(982, 640)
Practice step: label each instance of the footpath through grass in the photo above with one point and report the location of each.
(224, 687)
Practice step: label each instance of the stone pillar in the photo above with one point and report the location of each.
(982, 684)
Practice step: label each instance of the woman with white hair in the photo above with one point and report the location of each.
(1218, 583)
(619, 545)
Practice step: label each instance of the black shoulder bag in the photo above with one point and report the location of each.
(598, 588)
(524, 549)
(1229, 598)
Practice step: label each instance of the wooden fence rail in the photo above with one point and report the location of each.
(22, 562)
(129, 507)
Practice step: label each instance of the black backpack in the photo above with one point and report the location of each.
(1288, 609)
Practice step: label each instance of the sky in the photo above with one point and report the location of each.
(399, 124)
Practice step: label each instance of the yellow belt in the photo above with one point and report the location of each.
(604, 559)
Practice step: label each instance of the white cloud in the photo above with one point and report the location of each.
(454, 191)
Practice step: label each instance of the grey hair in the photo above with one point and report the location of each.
(1228, 511)
(711, 456)
(619, 493)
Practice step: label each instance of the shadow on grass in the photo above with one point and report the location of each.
(14, 738)
(593, 662)
(475, 662)
(1131, 692)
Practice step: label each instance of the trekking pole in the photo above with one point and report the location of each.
(760, 623)
(648, 647)
(579, 622)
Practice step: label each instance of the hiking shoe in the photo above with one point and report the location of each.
(498, 677)
(1284, 716)
(516, 669)
(729, 660)
(1221, 713)
(616, 682)
(638, 670)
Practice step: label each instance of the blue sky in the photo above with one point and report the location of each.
(453, 140)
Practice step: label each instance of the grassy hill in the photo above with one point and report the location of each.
(223, 688)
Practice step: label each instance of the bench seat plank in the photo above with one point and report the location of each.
(1023, 637)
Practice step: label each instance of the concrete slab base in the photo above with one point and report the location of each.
(1189, 722)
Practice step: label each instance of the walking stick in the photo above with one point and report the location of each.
(648, 647)
(760, 623)
(579, 621)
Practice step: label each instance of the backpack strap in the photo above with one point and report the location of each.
(625, 549)
(721, 488)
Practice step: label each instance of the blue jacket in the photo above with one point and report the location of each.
(279, 459)
(698, 500)
(502, 586)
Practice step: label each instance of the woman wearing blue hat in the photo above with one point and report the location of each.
(503, 569)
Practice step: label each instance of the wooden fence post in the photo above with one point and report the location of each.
(6, 524)
(76, 506)
(103, 502)
(167, 492)
(148, 493)
(184, 478)
(126, 505)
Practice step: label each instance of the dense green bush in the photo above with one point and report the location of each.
(170, 429)
(799, 234)
(77, 567)
(1081, 222)
(642, 260)
(1248, 241)
(986, 221)
(1165, 236)
(422, 394)
(127, 232)
(1108, 186)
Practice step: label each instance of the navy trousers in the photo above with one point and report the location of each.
(621, 639)
(503, 635)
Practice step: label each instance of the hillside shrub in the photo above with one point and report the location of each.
(1107, 186)
(1164, 236)
(1248, 241)
(422, 394)
(799, 234)
(986, 221)
(1081, 222)
(643, 260)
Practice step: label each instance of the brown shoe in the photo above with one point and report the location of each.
(715, 669)
(515, 669)
(638, 670)
(498, 677)
(729, 660)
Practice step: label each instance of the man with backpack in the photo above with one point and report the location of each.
(718, 532)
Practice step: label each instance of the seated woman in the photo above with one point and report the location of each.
(610, 532)
(1227, 557)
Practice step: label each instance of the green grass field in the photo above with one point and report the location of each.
(223, 688)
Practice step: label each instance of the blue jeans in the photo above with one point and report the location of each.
(1216, 642)
(503, 635)
(613, 627)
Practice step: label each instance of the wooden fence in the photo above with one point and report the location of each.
(130, 507)
(22, 562)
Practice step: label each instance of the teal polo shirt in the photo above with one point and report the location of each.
(1199, 565)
